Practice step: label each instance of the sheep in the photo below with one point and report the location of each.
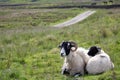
(94, 60)
(99, 62)
(73, 63)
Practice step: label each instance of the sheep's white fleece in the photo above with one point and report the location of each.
(83, 53)
(99, 63)
(74, 62)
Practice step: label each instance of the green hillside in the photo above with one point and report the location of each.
(28, 41)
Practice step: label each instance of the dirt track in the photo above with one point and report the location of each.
(76, 19)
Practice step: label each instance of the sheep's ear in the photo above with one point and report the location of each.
(60, 45)
(73, 46)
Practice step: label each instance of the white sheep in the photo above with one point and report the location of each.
(94, 60)
(73, 62)
(99, 62)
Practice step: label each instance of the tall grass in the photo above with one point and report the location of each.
(30, 52)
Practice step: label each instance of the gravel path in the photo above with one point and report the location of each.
(76, 19)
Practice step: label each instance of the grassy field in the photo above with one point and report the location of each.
(11, 18)
(28, 42)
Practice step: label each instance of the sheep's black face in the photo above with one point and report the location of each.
(65, 48)
(93, 50)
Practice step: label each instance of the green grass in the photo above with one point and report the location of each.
(35, 17)
(29, 52)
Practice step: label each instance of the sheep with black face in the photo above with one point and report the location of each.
(73, 62)
(99, 61)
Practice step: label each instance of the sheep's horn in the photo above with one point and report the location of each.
(73, 44)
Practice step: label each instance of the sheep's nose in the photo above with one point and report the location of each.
(62, 54)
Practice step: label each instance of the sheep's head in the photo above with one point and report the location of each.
(66, 47)
(93, 50)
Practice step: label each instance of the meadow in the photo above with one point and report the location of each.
(28, 42)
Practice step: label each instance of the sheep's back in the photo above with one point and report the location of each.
(98, 64)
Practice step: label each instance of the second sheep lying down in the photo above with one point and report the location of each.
(99, 62)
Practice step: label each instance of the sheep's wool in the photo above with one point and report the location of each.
(74, 63)
(99, 64)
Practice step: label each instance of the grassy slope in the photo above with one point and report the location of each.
(31, 53)
(11, 18)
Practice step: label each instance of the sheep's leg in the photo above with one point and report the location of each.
(65, 69)
(77, 74)
(66, 72)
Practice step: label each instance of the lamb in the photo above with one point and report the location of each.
(73, 63)
(99, 62)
